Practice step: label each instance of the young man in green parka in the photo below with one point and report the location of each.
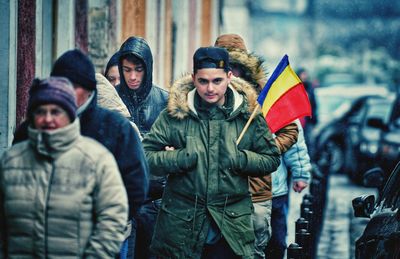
(206, 208)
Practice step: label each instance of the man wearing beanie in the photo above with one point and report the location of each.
(267, 214)
(144, 101)
(59, 180)
(206, 206)
(107, 127)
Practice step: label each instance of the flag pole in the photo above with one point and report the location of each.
(247, 124)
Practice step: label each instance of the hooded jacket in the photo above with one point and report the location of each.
(207, 172)
(61, 196)
(255, 73)
(145, 103)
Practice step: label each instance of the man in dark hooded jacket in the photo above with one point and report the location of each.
(144, 101)
(107, 127)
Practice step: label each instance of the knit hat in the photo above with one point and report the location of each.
(230, 41)
(77, 67)
(211, 57)
(54, 90)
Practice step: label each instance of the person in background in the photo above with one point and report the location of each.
(251, 67)
(296, 161)
(309, 123)
(206, 206)
(144, 101)
(107, 127)
(61, 194)
(111, 72)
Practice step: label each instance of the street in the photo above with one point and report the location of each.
(340, 227)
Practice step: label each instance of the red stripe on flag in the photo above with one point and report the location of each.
(290, 106)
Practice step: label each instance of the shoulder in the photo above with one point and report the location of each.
(93, 150)
(161, 91)
(18, 151)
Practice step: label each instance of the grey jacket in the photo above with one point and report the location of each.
(61, 196)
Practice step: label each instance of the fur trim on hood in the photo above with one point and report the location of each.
(178, 104)
(252, 62)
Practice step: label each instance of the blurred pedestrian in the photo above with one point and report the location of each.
(296, 161)
(144, 101)
(111, 72)
(309, 122)
(107, 127)
(61, 194)
(206, 206)
(251, 67)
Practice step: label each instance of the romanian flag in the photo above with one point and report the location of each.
(283, 98)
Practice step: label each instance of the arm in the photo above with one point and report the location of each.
(161, 161)
(286, 137)
(298, 161)
(264, 156)
(133, 166)
(110, 211)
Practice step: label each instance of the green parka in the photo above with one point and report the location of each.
(207, 172)
(61, 196)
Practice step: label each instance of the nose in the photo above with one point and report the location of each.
(210, 87)
(48, 117)
(132, 76)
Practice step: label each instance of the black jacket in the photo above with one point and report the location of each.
(118, 136)
(145, 103)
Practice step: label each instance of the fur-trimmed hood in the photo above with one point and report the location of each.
(254, 64)
(180, 102)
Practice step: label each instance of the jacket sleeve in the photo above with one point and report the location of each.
(286, 137)
(110, 211)
(133, 166)
(264, 156)
(161, 162)
(297, 159)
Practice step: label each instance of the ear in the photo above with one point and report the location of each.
(193, 77)
(229, 76)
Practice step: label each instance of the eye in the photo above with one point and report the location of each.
(217, 81)
(203, 81)
(139, 69)
(126, 69)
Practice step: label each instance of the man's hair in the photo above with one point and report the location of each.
(133, 59)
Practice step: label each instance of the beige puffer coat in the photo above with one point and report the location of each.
(61, 196)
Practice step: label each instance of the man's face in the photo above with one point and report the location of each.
(50, 117)
(82, 94)
(133, 74)
(211, 84)
(113, 75)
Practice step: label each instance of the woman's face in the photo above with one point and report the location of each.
(113, 75)
(50, 117)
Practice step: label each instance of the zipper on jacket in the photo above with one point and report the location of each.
(46, 205)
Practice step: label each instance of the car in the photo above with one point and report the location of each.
(362, 140)
(339, 146)
(389, 144)
(381, 236)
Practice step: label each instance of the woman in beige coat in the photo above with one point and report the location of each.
(61, 194)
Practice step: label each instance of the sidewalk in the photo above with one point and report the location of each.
(340, 228)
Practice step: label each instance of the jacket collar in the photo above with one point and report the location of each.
(54, 143)
(181, 97)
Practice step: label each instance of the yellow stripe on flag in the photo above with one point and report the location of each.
(286, 80)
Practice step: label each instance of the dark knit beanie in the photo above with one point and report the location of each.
(77, 67)
(54, 90)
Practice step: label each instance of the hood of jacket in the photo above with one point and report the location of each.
(180, 101)
(107, 96)
(54, 143)
(138, 47)
(255, 69)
